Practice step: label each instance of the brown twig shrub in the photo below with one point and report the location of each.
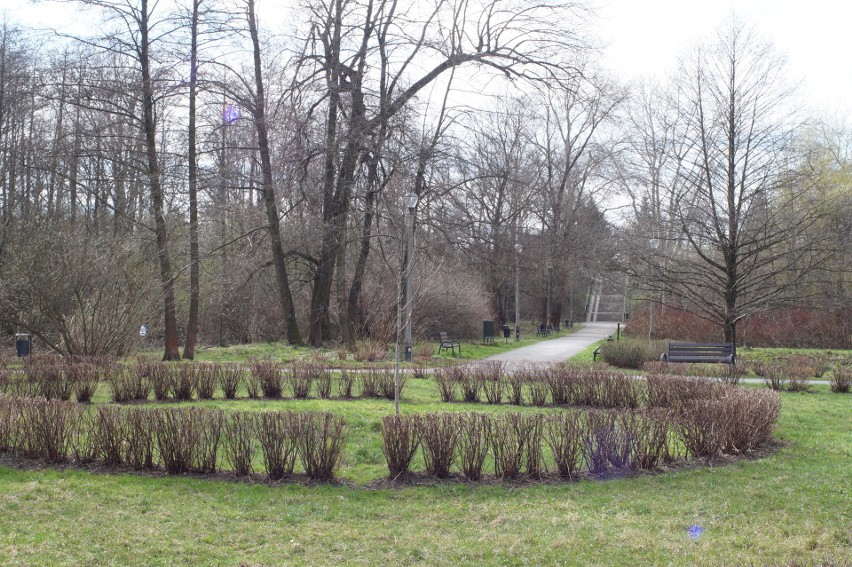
(120, 382)
(446, 381)
(386, 383)
(439, 435)
(323, 381)
(841, 379)
(600, 441)
(493, 388)
(207, 376)
(539, 389)
(140, 438)
(371, 352)
(267, 375)
(418, 369)
(619, 391)
(239, 433)
(649, 434)
(321, 441)
(178, 435)
(86, 380)
(52, 381)
(565, 433)
(276, 432)
(473, 443)
(400, 440)
(470, 383)
(371, 381)
(490, 377)
(507, 439)
(49, 427)
(773, 376)
(730, 374)
(533, 433)
(672, 391)
(516, 387)
(109, 435)
(346, 384)
(186, 382)
(230, 379)
(210, 423)
(9, 423)
(162, 375)
(557, 378)
(301, 377)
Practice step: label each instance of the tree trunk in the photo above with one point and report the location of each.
(194, 284)
(171, 351)
(278, 258)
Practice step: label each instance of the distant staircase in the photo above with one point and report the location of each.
(606, 301)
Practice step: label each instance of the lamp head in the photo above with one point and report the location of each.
(411, 200)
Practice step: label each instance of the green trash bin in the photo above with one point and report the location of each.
(488, 331)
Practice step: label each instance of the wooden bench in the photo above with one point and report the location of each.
(699, 352)
(446, 343)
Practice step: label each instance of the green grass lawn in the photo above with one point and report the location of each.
(792, 505)
(472, 349)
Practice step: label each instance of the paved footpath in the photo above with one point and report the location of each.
(557, 350)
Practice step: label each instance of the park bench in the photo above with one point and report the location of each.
(699, 352)
(543, 330)
(446, 343)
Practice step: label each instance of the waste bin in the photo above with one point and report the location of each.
(507, 332)
(23, 344)
(488, 331)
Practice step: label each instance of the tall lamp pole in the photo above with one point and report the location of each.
(547, 298)
(518, 250)
(410, 202)
(654, 243)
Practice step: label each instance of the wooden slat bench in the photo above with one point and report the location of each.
(699, 352)
(446, 343)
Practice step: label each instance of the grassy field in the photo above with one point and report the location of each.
(471, 350)
(793, 505)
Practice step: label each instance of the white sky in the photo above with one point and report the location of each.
(644, 37)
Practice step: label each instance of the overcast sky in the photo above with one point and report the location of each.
(646, 36)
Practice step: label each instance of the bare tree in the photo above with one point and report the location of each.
(740, 215)
(522, 41)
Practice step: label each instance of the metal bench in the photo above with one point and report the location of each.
(699, 352)
(543, 330)
(446, 343)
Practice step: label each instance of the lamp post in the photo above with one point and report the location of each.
(518, 250)
(411, 203)
(547, 296)
(654, 243)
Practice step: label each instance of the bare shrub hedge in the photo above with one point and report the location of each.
(400, 440)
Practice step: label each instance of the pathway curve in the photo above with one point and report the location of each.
(557, 350)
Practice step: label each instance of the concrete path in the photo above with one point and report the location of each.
(557, 350)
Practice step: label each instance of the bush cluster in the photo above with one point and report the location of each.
(540, 385)
(176, 440)
(630, 353)
(694, 420)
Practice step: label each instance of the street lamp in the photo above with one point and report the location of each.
(518, 250)
(654, 243)
(411, 203)
(547, 297)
